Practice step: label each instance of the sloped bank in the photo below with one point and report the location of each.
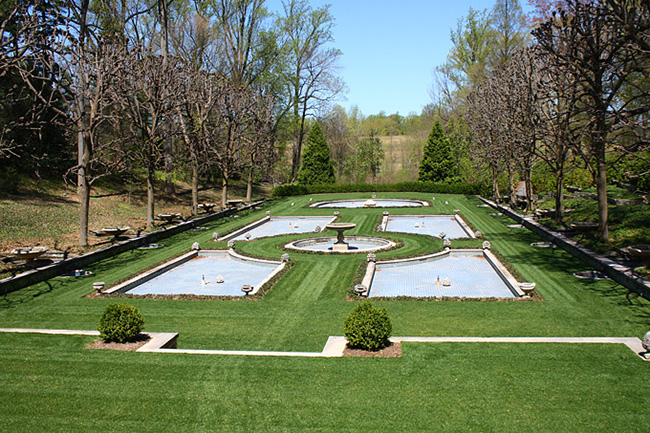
(617, 272)
(37, 275)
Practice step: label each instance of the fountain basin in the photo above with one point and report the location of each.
(355, 244)
(374, 203)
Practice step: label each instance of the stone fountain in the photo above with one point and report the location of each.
(340, 244)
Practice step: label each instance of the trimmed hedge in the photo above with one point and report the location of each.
(120, 323)
(367, 327)
(416, 186)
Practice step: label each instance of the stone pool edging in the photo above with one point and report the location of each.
(291, 245)
(424, 203)
(498, 267)
(167, 342)
(37, 275)
(461, 222)
(617, 272)
(184, 258)
(266, 219)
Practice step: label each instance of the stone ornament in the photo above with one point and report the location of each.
(196, 246)
(317, 229)
(248, 236)
(231, 243)
(284, 258)
(268, 213)
(360, 289)
(478, 234)
(486, 245)
(442, 235)
(215, 236)
(371, 257)
(336, 213)
(446, 243)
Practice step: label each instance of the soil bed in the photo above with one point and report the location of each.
(140, 341)
(392, 351)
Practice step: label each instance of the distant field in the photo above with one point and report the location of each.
(403, 154)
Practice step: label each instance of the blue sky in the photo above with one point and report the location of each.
(391, 47)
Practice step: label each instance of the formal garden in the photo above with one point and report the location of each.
(55, 382)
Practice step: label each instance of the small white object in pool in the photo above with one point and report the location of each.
(295, 226)
(446, 282)
(220, 279)
(248, 236)
(203, 282)
(417, 225)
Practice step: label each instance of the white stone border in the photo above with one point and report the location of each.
(280, 266)
(269, 218)
(424, 203)
(498, 267)
(291, 245)
(463, 225)
(150, 274)
(153, 273)
(165, 342)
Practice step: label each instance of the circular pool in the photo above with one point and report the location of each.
(356, 244)
(371, 203)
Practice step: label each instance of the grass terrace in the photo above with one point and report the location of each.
(52, 383)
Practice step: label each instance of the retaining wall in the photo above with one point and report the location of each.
(43, 273)
(614, 270)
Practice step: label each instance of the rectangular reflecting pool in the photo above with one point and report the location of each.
(452, 225)
(198, 273)
(470, 273)
(280, 225)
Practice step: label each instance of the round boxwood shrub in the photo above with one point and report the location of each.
(120, 323)
(367, 327)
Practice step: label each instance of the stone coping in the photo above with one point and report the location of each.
(184, 258)
(294, 245)
(458, 218)
(166, 342)
(498, 267)
(621, 274)
(423, 203)
(266, 219)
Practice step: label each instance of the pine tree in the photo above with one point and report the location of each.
(316, 165)
(437, 162)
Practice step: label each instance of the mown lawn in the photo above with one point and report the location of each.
(52, 383)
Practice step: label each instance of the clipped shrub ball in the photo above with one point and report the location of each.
(120, 323)
(368, 328)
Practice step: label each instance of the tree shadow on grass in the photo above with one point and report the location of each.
(22, 296)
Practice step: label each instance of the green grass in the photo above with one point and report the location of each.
(51, 383)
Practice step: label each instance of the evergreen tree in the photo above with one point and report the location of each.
(438, 161)
(316, 165)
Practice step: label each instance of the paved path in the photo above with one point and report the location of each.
(165, 342)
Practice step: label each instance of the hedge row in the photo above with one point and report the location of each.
(428, 187)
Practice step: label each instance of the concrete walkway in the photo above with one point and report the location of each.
(165, 342)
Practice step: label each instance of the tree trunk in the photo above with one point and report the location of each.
(195, 188)
(224, 190)
(559, 196)
(511, 181)
(249, 185)
(150, 195)
(495, 185)
(84, 191)
(529, 189)
(603, 211)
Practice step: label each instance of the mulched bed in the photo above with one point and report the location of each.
(140, 341)
(392, 351)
